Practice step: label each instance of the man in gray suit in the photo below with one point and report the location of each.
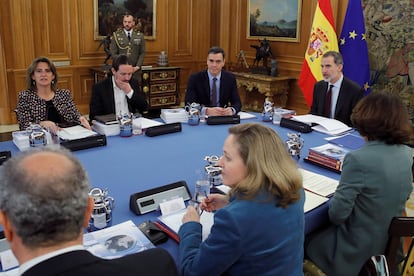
(131, 42)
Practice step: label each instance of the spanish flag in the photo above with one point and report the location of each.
(322, 39)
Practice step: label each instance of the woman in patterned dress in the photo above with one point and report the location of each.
(45, 104)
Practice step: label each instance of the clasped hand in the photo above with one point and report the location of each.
(219, 111)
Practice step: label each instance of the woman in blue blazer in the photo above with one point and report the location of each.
(374, 186)
(259, 228)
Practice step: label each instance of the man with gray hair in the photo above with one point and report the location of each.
(44, 204)
(335, 96)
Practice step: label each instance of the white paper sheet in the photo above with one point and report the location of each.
(319, 184)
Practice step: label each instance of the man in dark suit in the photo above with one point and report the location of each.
(345, 93)
(44, 203)
(118, 93)
(214, 89)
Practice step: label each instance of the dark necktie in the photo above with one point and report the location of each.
(129, 36)
(328, 101)
(214, 93)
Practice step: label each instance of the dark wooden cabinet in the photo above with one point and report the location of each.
(161, 85)
(99, 73)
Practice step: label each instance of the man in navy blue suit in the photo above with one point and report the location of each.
(345, 93)
(44, 203)
(214, 89)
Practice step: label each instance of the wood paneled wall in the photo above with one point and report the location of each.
(63, 30)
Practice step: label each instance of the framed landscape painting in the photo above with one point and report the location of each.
(277, 20)
(108, 15)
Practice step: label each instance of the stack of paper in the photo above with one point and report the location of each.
(174, 115)
(323, 124)
(108, 130)
(21, 140)
(318, 184)
(75, 132)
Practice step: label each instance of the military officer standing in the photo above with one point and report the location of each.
(130, 42)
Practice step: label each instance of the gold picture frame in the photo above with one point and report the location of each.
(276, 20)
(108, 16)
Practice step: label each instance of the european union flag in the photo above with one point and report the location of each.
(353, 46)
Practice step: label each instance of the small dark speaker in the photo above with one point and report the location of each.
(163, 129)
(85, 143)
(4, 155)
(223, 120)
(295, 125)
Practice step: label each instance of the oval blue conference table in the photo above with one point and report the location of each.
(129, 165)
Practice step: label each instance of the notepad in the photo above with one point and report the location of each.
(174, 221)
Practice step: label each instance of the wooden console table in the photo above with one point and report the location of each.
(275, 89)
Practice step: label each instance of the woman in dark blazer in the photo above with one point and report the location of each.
(374, 186)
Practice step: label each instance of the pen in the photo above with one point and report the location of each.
(207, 198)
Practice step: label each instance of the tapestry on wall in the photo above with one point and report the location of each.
(390, 38)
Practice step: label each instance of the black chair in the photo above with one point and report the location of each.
(399, 227)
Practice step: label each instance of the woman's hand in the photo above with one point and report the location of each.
(191, 215)
(214, 202)
(85, 123)
(50, 126)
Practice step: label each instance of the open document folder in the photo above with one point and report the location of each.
(174, 221)
(323, 124)
(75, 132)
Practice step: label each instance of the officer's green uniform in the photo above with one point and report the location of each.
(133, 48)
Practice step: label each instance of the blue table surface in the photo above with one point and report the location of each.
(129, 165)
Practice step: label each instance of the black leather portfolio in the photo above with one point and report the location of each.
(295, 125)
(163, 129)
(222, 120)
(108, 119)
(85, 143)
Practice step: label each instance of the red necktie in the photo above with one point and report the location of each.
(328, 102)
(214, 93)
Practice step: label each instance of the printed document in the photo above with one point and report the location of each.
(318, 184)
(324, 125)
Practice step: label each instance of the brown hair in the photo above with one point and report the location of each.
(30, 84)
(382, 116)
(269, 165)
